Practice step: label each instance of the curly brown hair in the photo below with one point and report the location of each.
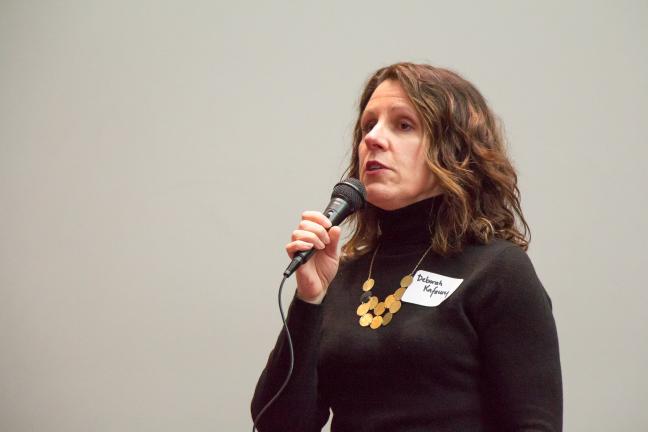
(465, 151)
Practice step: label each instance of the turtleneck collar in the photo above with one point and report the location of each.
(407, 225)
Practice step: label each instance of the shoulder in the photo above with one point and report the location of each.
(505, 275)
(498, 257)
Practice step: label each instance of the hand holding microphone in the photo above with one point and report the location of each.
(318, 231)
(317, 236)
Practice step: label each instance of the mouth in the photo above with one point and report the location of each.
(374, 167)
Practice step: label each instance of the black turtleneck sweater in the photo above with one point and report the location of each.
(485, 359)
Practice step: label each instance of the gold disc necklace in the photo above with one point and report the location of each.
(371, 309)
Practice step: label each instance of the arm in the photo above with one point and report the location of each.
(299, 407)
(519, 347)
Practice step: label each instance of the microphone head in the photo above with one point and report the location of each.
(351, 190)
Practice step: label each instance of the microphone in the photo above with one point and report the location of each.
(347, 197)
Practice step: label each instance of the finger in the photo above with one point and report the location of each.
(293, 247)
(318, 217)
(309, 237)
(318, 229)
(332, 248)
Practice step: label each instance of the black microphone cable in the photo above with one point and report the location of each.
(292, 359)
(348, 196)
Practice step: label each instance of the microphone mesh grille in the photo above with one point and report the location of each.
(353, 191)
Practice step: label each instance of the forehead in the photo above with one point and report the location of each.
(389, 93)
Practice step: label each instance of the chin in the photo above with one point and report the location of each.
(381, 198)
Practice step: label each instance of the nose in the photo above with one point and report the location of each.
(376, 138)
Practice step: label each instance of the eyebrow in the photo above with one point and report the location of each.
(392, 108)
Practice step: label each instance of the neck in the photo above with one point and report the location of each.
(407, 226)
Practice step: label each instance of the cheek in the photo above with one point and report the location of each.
(419, 162)
(363, 153)
(420, 176)
(414, 162)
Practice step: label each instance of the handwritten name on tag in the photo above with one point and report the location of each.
(430, 289)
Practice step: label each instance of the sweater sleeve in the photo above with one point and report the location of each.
(519, 347)
(300, 407)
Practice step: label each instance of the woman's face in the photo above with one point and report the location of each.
(393, 143)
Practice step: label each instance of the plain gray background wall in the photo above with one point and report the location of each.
(155, 157)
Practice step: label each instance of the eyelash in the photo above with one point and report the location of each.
(365, 128)
(406, 123)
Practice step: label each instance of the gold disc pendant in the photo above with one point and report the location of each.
(395, 307)
(399, 293)
(368, 284)
(379, 309)
(373, 301)
(362, 309)
(387, 318)
(366, 319)
(376, 322)
(406, 281)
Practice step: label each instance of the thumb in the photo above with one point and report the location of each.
(332, 248)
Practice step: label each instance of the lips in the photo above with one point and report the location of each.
(374, 165)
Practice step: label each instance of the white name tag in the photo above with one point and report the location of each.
(430, 289)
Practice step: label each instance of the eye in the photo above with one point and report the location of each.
(405, 125)
(367, 126)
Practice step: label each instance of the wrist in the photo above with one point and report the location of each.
(312, 300)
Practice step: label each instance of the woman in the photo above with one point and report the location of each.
(432, 318)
